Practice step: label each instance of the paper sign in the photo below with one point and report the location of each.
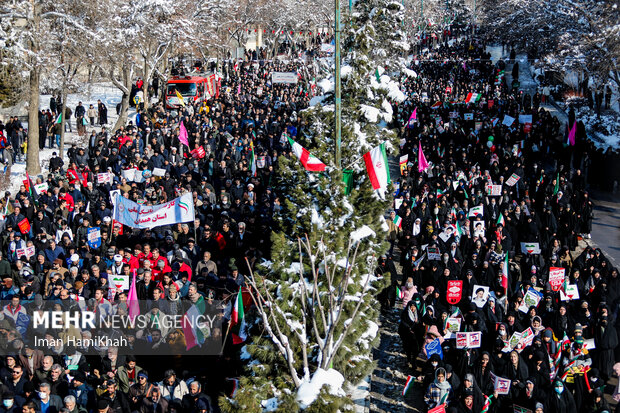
(589, 344)
(284, 77)
(530, 248)
(104, 177)
(531, 298)
(527, 127)
(454, 115)
(159, 172)
(514, 178)
(520, 409)
(93, 237)
(571, 293)
(476, 210)
(525, 119)
(434, 347)
(433, 253)
(494, 190)
(478, 125)
(500, 384)
(455, 291)
(445, 236)
(40, 188)
(556, 278)
(468, 340)
(508, 120)
(453, 324)
(120, 282)
(514, 339)
(111, 294)
(468, 116)
(30, 251)
(527, 337)
(397, 203)
(480, 295)
(20, 252)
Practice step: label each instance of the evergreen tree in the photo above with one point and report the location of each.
(316, 308)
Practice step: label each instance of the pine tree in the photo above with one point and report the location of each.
(316, 300)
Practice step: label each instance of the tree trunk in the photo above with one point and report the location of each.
(63, 119)
(125, 88)
(122, 117)
(145, 85)
(33, 166)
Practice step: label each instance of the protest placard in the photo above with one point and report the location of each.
(494, 190)
(514, 178)
(556, 278)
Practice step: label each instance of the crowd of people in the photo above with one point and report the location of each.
(556, 353)
(55, 265)
(499, 309)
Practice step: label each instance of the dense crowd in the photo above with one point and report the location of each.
(53, 264)
(498, 308)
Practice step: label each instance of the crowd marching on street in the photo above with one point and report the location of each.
(498, 311)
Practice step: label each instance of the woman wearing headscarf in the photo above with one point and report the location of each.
(606, 340)
(409, 328)
(439, 391)
(482, 372)
(517, 372)
(561, 401)
(471, 387)
(563, 322)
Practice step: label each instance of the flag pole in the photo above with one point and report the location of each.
(225, 337)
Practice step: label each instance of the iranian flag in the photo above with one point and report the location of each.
(237, 320)
(501, 220)
(505, 273)
(408, 384)
(399, 293)
(398, 221)
(310, 162)
(377, 167)
(437, 105)
(473, 97)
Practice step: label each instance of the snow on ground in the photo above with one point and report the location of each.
(309, 390)
(106, 92)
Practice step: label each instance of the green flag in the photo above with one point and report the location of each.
(377, 75)
(557, 185)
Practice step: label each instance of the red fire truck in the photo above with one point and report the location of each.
(191, 88)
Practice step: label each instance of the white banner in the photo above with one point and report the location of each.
(284, 77)
(139, 216)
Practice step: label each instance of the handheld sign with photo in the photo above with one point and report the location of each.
(468, 340)
(480, 295)
(500, 384)
(556, 278)
(468, 116)
(455, 290)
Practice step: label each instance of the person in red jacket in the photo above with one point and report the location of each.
(130, 260)
(63, 195)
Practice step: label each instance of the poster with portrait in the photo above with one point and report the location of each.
(479, 229)
(480, 295)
